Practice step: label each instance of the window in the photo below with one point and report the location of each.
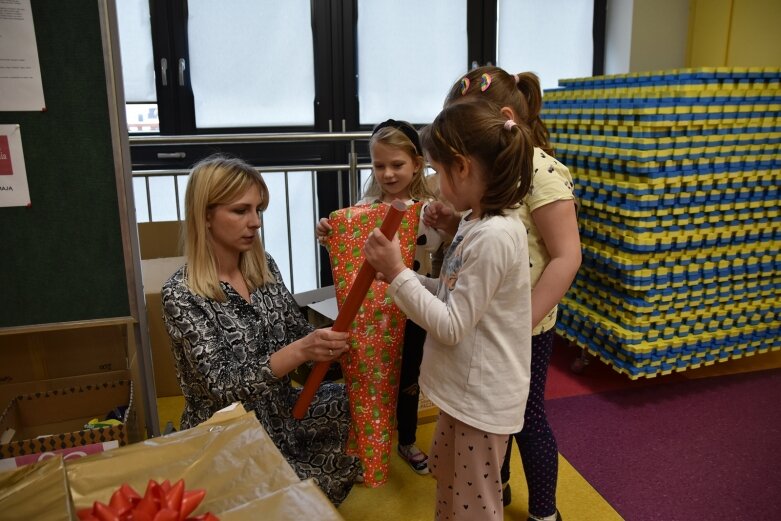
(409, 54)
(251, 63)
(547, 37)
(195, 67)
(198, 68)
(138, 71)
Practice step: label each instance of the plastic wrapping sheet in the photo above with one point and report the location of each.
(295, 502)
(38, 491)
(230, 456)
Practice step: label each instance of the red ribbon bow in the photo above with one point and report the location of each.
(161, 502)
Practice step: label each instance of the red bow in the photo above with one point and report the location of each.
(161, 502)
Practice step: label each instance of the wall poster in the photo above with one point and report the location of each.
(13, 174)
(20, 70)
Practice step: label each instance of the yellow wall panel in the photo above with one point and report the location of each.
(735, 33)
(755, 34)
(709, 32)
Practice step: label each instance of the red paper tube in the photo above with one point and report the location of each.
(349, 309)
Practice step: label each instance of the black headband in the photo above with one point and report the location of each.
(404, 127)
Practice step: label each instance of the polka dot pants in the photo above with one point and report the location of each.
(536, 442)
(466, 462)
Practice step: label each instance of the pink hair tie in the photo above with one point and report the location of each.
(517, 78)
(509, 124)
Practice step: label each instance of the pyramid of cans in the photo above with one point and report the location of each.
(677, 178)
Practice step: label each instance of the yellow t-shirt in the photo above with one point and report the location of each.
(551, 181)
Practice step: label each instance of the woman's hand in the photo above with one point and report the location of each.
(442, 217)
(321, 345)
(325, 345)
(384, 255)
(322, 229)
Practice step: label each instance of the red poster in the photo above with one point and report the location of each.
(6, 168)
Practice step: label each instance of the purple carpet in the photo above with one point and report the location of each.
(704, 449)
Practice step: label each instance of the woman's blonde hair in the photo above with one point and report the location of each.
(213, 181)
(392, 135)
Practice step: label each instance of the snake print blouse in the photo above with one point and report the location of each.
(222, 352)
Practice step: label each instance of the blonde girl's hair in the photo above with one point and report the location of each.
(521, 92)
(214, 181)
(477, 130)
(397, 134)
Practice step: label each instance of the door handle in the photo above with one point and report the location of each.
(164, 72)
(182, 66)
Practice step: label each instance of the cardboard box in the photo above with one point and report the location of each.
(154, 274)
(50, 420)
(160, 239)
(51, 354)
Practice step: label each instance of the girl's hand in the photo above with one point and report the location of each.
(324, 345)
(322, 229)
(384, 255)
(441, 216)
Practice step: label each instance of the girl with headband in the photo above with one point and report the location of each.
(398, 172)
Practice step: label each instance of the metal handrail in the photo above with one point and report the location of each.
(352, 167)
(195, 139)
(261, 169)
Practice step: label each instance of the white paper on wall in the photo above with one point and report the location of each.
(20, 70)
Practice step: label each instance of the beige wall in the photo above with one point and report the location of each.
(646, 35)
(659, 35)
(618, 36)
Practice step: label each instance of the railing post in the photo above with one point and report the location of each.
(353, 174)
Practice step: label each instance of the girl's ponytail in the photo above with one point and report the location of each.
(513, 164)
(529, 86)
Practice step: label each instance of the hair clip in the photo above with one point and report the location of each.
(485, 81)
(464, 85)
(509, 124)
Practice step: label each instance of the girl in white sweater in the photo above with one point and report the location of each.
(476, 359)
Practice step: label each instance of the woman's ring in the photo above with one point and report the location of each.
(330, 352)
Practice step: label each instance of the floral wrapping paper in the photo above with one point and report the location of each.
(371, 367)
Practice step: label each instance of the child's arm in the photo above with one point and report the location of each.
(557, 224)
(486, 259)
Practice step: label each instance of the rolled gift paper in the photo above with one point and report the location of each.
(349, 309)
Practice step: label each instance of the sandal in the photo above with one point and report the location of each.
(416, 458)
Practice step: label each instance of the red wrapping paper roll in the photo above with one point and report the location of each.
(349, 309)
